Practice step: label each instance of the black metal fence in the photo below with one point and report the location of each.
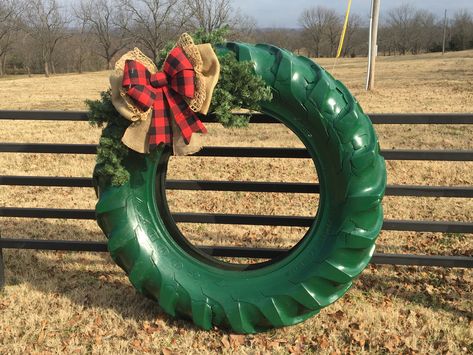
(293, 153)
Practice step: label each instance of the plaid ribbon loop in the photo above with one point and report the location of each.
(158, 80)
(165, 92)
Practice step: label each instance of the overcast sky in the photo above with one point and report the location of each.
(285, 13)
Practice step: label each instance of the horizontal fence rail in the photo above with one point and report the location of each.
(244, 219)
(243, 152)
(251, 186)
(376, 118)
(240, 252)
(246, 186)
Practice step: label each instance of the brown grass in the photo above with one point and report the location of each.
(81, 302)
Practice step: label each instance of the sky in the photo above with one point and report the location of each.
(285, 13)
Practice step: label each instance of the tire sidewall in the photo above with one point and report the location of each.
(277, 278)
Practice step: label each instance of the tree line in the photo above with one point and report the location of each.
(41, 36)
(403, 29)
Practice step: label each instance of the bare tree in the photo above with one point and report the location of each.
(462, 30)
(425, 31)
(407, 29)
(400, 20)
(315, 21)
(80, 41)
(353, 29)
(26, 49)
(242, 27)
(9, 24)
(46, 24)
(152, 23)
(211, 14)
(333, 29)
(386, 41)
(106, 20)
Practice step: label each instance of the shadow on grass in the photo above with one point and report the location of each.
(103, 285)
(413, 290)
(89, 280)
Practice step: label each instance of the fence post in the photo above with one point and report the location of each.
(2, 268)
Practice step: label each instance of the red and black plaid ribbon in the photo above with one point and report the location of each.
(164, 92)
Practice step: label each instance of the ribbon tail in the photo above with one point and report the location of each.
(160, 130)
(186, 119)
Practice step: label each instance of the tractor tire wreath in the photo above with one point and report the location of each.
(160, 263)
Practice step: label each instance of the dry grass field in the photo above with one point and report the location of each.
(82, 303)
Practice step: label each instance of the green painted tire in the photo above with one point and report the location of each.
(145, 242)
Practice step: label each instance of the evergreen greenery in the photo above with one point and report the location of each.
(238, 87)
(111, 151)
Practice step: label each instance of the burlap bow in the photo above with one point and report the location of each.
(143, 95)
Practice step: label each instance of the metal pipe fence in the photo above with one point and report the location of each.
(251, 186)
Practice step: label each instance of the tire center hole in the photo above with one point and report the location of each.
(276, 171)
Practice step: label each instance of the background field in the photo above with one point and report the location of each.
(82, 302)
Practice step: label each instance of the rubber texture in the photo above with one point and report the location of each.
(318, 271)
